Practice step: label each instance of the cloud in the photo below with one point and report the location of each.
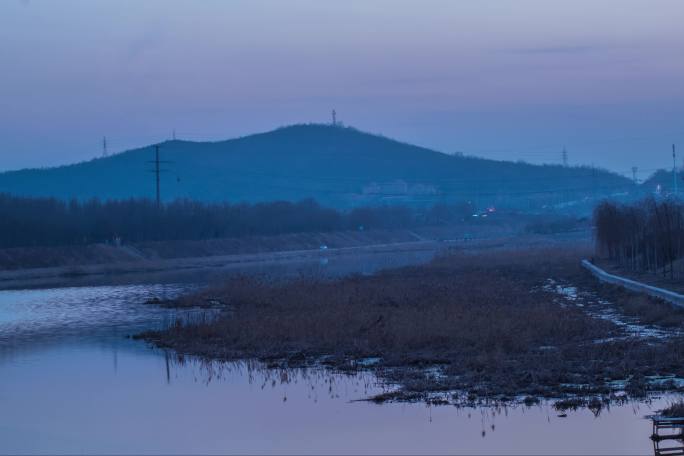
(559, 49)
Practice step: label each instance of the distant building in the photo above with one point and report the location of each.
(398, 188)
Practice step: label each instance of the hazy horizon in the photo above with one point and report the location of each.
(506, 80)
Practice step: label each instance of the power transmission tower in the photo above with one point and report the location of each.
(157, 172)
(104, 146)
(334, 118)
(674, 169)
(565, 157)
(634, 175)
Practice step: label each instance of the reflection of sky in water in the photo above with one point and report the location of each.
(116, 399)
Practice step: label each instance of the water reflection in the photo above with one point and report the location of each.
(351, 386)
(126, 398)
(619, 418)
(70, 382)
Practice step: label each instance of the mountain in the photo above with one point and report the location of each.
(338, 166)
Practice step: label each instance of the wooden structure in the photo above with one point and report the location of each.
(668, 435)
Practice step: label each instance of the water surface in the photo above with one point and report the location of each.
(71, 382)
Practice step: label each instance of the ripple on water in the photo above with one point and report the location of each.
(28, 316)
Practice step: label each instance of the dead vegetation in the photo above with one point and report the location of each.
(475, 327)
(647, 309)
(674, 410)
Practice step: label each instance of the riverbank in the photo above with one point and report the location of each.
(75, 257)
(471, 327)
(99, 254)
(212, 257)
(122, 272)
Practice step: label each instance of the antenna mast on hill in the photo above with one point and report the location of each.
(674, 169)
(104, 146)
(565, 157)
(634, 175)
(173, 134)
(334, 118)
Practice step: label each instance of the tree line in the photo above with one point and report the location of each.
(643, 236)
(28, 221)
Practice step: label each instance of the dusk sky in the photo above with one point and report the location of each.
(514, 80)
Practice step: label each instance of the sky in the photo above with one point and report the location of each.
(504, 79)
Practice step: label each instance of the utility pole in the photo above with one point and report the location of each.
(634, 175)
(565, 157)
(104, 146)
(334, 118)
(674, 169)
(157, 173)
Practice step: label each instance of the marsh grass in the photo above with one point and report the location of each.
(479, 323)
(676, 409)
(647, 309)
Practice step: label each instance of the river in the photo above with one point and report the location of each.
(72, 382)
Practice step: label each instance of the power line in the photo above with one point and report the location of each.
(586, 173)
(522, 152)
(469, 191)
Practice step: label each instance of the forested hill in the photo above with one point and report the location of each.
(338, 166)
(662, 182)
